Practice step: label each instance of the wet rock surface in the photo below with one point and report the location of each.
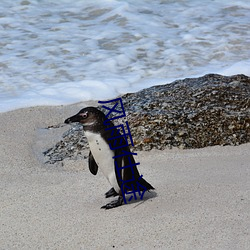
(190, 113)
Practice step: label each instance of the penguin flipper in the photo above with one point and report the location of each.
(111, 193)
(113, 204)
(93, 167)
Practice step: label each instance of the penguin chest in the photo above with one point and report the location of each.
(103, 156)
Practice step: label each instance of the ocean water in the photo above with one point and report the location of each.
(61, 52)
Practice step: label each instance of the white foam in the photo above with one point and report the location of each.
(242, 67)
(61, 52)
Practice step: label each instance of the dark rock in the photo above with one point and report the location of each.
(190, 113)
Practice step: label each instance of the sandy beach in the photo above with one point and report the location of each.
(201, 198)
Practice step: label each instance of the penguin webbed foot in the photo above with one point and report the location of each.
(113, 204)
(111, 193)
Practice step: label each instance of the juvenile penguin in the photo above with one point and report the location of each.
(101, 156)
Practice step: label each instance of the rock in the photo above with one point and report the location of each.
(190, 113)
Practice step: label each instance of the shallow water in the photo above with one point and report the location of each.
(63, 52)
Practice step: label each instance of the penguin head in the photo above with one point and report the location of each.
(89, 117)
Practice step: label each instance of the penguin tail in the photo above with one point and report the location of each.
(145, 184)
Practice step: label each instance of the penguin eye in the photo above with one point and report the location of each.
(84, 115)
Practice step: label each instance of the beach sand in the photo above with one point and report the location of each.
(201, 198)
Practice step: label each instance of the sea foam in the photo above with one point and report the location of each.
(64, 52)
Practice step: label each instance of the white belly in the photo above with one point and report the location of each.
(103, 157)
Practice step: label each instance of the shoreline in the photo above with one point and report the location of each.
(201, 198)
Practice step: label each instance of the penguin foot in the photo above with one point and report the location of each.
(113, 204)
(111, 193)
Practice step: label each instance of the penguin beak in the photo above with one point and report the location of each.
(74, 118)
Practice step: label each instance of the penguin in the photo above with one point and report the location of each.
(96, 129)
